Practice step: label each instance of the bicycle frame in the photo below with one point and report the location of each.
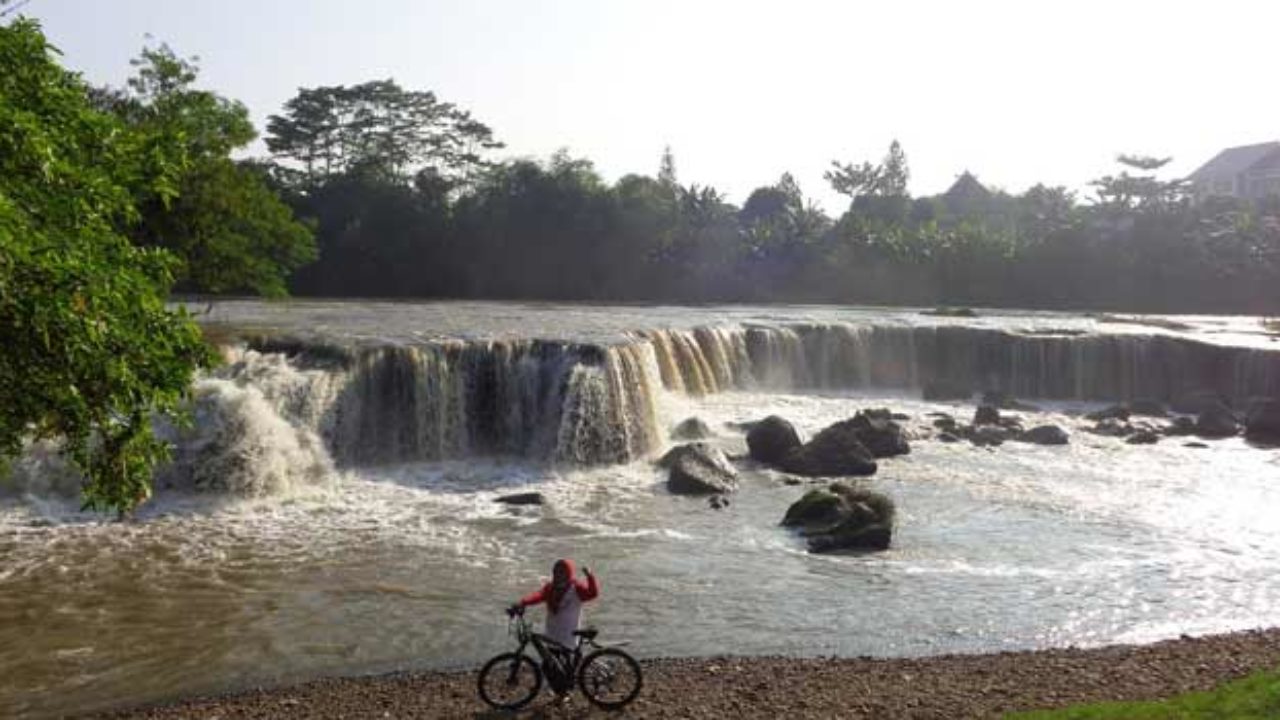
(545, 646)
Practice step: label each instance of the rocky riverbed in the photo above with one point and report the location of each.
(953, 686)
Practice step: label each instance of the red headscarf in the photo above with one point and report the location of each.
(556, 590)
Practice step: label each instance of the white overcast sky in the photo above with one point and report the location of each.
(1017, 92)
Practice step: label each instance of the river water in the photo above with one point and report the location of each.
(333, 510)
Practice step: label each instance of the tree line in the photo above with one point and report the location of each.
(113, 198)
(405, 201)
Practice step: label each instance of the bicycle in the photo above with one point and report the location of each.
(607, 676)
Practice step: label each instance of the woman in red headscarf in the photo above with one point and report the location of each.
(564, 597)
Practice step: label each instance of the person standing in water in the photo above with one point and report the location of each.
(564, 597)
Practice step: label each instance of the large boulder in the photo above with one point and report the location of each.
(986, 415)
(1216, 421)
(700, 469)
(1144, 436)
(939, 390)
(833, 452)
(986, 435)
(1263, 421)
(1044, 435)
(879, 434)
(1181, 426)
(842, 517)
(691, 429)
(679, 451)
(772, 439)
(524, 498)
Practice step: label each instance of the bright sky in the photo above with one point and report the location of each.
(1016, 91)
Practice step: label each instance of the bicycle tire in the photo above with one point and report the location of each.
(589, 681)
(500, 664)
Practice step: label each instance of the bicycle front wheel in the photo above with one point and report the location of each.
(509, 681)
(610, 678)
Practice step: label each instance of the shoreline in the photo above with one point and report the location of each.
(942, 686)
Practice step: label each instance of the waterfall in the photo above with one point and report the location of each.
(584, 403)
(1065, 367)
(521, 398)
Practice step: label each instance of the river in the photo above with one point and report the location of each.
(333, 510)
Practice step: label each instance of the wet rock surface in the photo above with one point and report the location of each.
(699, 469)
(842, 517)
(771, 439)
(1044, 435)
(836, 451)
(691, 429)
(1216, 421)
(927, 688)
(1263, 421)
(879, 433)
(526, 498)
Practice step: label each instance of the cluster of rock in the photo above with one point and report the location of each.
(991, 428)
(830, 519)
(1204, 415)
(842, 516)
(849, 447)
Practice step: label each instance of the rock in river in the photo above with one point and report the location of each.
(842, 517)
(525, 498)
(1216, 421)
(771, 439)
(1263, 422)
(833, 452)
(691, 429)
(699, 469)
(1044, 435)
(879, 434)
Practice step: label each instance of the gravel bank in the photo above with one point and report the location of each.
(955, 686)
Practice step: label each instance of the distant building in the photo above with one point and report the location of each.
(966, 193)
(1248, 171)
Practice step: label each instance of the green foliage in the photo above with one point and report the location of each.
(227, 227)
(91, 351)
(1256, 697)
(888, 179)
(331, 131)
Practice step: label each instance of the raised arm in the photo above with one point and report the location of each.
(588, 590)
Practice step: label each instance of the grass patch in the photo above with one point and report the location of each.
(1256, 697)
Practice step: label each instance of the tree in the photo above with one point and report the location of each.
(330, 130)
(887, 179)
(228, 228)
(1139, 192)
(91, 352)
(667, 169)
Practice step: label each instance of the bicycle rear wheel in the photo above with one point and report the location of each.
(610, 678)
(509, 681)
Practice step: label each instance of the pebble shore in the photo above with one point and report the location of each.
(942, 687)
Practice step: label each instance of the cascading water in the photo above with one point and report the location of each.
(528, 399)
(589, 404)
(834, 357)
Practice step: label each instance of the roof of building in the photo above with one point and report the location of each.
(967, 187)
(1233, 161)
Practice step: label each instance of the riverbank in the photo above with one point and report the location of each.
(954, 686)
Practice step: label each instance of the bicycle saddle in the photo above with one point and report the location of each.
(588, 633)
